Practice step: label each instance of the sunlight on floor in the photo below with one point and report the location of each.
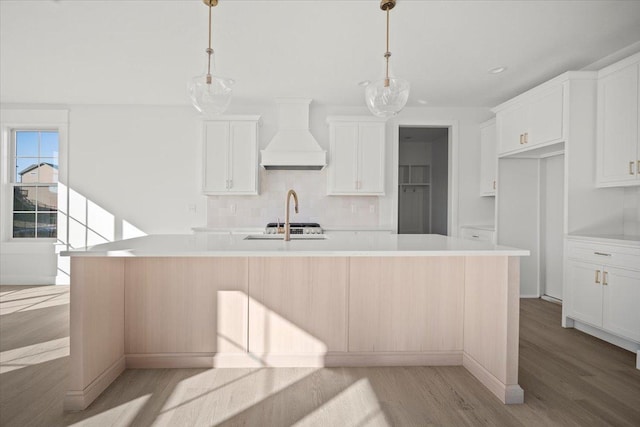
(125, 414)
(11, 360)
(33, 298)
(357, 405)
(194, 402)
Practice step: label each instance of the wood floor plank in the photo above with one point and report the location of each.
(569, 378)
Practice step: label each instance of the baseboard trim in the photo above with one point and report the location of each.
(16, 280)
(359, 359)
(311, 360)
(551, 299)
(508, 394)
(79, 400)
(169, 360)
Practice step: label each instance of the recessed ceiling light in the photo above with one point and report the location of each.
(364, 83)
(423, 101)
(497, 70)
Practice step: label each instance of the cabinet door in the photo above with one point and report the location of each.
(343, 169)
(584, 295)
(216, 156)
(186, 305)
(243, 157)
(371, 158)
(298, 307)
(406, 304)
(488, 160)
(621, 302)
(618, 127)
(511, 125)
(545, 118)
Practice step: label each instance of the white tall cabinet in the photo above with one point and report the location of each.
(356, 157)
(618, 160)
(231, 155)
(488, 159)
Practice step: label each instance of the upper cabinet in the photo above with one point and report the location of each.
(356, 165)
(488, 158)
(618, 145)
(231, 155)
(532, 120)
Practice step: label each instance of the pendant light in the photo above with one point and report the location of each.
(210, 94)
(388, 96)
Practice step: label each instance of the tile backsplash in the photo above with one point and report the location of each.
(314, 204)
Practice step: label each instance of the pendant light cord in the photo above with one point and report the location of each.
(209, 50)
(387, 54)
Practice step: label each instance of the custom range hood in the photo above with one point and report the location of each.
(293, 147)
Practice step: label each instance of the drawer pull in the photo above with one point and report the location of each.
(521, 139)
(475, 236)
(631, 172)
(604, 278)
(601, 254)
(597, 276)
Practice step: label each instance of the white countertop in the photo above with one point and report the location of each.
(620, 239)
(337, 244)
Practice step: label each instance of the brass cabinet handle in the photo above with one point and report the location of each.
(638, 167)
(597, 276)
(631, 168)
(526, 137)
(604, 278)
(521, 139)
(494, 184)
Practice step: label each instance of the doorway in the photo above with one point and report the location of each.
(423, 180)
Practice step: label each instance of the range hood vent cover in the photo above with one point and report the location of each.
(293, 147)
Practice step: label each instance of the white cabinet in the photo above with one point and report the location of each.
(532, 119)
(356, 165)
(618, 139)
(488, 158)
(480, 233)
(602, 287)
(231, 156)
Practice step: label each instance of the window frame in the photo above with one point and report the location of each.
(12, 120)
(13, 161)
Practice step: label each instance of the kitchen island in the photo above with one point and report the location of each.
(352, 299)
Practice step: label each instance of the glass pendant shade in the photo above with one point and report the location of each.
(387, 97)
(210, 94)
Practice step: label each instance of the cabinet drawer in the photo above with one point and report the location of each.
(609, 255)
(471, 233)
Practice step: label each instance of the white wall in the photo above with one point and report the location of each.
(632, 211)
(140, 165)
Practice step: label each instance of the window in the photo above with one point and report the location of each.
(35, 183)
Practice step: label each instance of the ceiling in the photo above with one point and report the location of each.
(143, 52)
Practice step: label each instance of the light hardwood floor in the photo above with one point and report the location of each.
(569, 378)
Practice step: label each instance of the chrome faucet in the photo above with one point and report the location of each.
(287, 225)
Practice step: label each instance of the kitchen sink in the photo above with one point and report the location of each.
(281, 237)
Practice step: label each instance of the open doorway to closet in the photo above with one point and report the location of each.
(423, 180)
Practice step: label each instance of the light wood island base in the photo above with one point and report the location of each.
(177, 312)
